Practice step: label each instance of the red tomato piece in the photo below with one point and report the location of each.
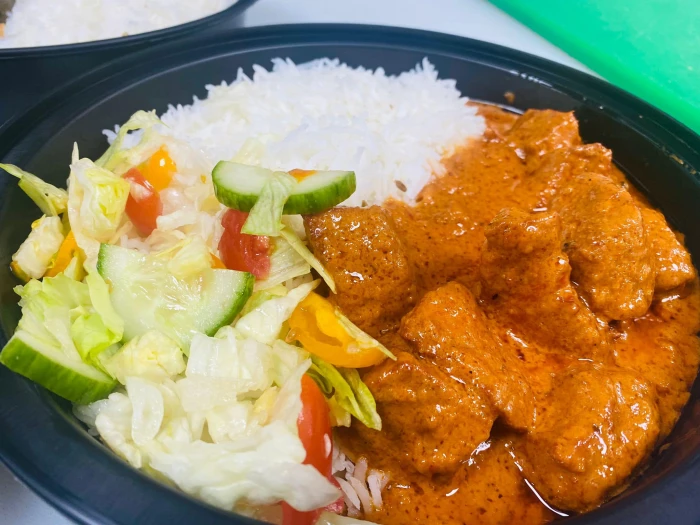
(314, 425)
(242, 252)
(143, 205)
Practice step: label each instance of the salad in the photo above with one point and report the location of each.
(176, 304)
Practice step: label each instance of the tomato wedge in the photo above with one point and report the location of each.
(314, 425)
(242, 252)
(143, 205)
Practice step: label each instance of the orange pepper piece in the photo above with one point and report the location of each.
(300, 175)
(63, 256)
(159, 169)
(317, 326)
(217, 263)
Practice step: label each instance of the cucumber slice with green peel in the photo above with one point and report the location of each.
(51, 368)
(148, 297)
(238, 186)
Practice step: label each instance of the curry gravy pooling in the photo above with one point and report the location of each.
(544, 317)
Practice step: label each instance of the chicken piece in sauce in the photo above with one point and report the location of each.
(602, 422)
(449, 329)
(440, 419)
(359, 247)
(604, 237)
(591, 416)
(525, 277)
(537, 133)
(557, 167)
(673, 265)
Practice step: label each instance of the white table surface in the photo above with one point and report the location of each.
(472, 18)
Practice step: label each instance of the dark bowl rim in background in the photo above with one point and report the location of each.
(155, 37)
(94, 504)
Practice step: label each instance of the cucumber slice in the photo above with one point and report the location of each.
(238, 186)
(148, 297)
(51, 368)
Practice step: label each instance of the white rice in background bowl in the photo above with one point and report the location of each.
(54, 22)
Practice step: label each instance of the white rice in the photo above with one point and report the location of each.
(362, 489)
(327, 115)
(54, 22)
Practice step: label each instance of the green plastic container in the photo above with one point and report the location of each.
(651, 48)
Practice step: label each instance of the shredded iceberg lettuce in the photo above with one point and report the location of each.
(261, 296)
(36, 253)
(285, 264)
(51, 200)
(265, 217)
(264, 323)
(119, 159)
(96, 203)
(346, 389)
(298, 245)
(59, 311)
(242, 449)
(152, 356)
(187, 259)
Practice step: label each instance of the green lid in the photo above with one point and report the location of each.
(651, 48)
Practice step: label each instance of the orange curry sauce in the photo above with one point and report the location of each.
(544, 318)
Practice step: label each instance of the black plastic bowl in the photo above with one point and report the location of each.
(29, 73)
(40, 440)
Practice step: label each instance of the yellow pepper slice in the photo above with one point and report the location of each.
(323, 331)
(64, 256)
(217, 263)
(159, 169)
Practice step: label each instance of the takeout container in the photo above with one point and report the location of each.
(29, 73)
(49, 450)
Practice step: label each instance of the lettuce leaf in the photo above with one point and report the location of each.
(299, 246)
(264, 323)
(347, 390)
(188, 259)
(59, 311)
(51, 200)
(38, 250)
(119, 159)
(245, 449)
(96, 203)
(99, 296)
(153, 356)
(285, 264)
(261, 296)
(265, 217)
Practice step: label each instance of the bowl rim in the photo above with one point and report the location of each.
(154, 36)
(673, 137)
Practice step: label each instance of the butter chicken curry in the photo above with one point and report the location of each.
(544, 318)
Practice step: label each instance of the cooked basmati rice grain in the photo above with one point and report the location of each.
(352, 499)
(360, 469)
(362, 494)
(327, 115)
(374, 482)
